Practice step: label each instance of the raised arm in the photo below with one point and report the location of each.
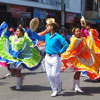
(43, 32)
(35, 35)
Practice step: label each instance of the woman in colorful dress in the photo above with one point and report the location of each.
(18, 51)
(82, 55)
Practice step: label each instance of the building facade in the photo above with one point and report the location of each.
(91, 11)
(22, 11)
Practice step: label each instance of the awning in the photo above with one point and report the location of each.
(96, 20)
(93, 21)
(90, 22)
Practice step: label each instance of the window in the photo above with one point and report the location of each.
(96, 5)
(89, 5)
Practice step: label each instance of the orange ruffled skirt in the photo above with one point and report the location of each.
(83, 55)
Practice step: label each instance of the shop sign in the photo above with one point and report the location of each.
(17, 10)
(70, 17)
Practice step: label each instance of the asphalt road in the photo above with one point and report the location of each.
(36, 87)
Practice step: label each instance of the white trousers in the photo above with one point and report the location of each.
(52, 64)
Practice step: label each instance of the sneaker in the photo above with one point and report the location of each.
(78, 89)
(18, 83)
(54, 94)
(18, 87)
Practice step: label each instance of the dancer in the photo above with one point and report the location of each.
(53, 42)
(82, 55)
(16, 70)
(17, 50)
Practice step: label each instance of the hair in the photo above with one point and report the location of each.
(73, 30)
(11, 32)
(21, 30)
(88, 24)
(55, 26)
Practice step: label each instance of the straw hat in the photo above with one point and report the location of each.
(34, 24)
(82, 20)
(51, 21)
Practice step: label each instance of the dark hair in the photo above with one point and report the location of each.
(88, 24)
(55, 26)
(21, 29)
(73, 30)
(11, 32)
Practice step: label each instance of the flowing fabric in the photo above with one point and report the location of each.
(18, 50)
(83, 55)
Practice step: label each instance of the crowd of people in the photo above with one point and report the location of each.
(29, 49)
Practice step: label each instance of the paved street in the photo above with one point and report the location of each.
(36, 87)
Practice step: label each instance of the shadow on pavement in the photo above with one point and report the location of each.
(74, 94)
(2, 83)
(93, 81)
(91, 90)
(88, 91)
(35, 88)
(31, 73)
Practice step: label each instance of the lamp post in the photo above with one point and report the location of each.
(62, 13)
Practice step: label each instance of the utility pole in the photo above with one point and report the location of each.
(62, 13)
(83, 5)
